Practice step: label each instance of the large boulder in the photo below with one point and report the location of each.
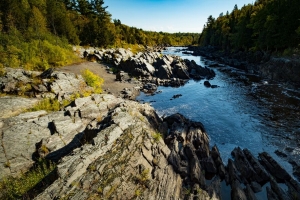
(197, 71)
(125, 54)
(164, 72)
(180, 70)
(137, 67)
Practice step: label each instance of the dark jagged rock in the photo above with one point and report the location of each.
(200, 140)
(233, 173)
(194, 152)
(149, 88)
(243, 165)
(178, 118)
(271, 194)
(277, 190)
(214, 188)
(249, 193)
(174, 160)
(196, 172)
(164, 72)
(296, 171)
(262, 174)
(47, 73)
(207, 84)
(237, 193)
(214, 86)
(256, 187)
(276, 170)
(175, 96)
(209, 165)
(222, 172)
(293, 189)
(198, 72)
(215, 154)
(181, 70)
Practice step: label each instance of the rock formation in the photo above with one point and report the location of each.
(152, 67)
(106, 147)
(49, 84)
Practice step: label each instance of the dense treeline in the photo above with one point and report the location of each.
(132, 35)
(36, 33)
(268, 25)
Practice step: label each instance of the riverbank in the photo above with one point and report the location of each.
(268, 67)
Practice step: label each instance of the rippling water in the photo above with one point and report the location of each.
(242, 111)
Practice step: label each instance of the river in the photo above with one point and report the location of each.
(243, 111)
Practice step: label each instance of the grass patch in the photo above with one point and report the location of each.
(93, 80)
(156, 136)
(138, 193)
(16, 188)
(143, 177)
(47, 104)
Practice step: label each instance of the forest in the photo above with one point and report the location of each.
(266, 25)
(36, 34)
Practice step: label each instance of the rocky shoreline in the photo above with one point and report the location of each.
(107, 147)
(268, 67)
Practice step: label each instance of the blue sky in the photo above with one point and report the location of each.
(169, 15)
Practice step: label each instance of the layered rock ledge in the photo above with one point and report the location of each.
(106, 147)
(112, 148)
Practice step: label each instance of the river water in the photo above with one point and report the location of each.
(243, 111)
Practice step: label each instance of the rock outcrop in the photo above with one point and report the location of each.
(11, 105)
(108, 147)
(49, 84)
(152, 67)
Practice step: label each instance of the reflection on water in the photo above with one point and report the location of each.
(251, 113)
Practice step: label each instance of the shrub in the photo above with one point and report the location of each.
(33, 54)
(287, 52)
(2, 70)
(15, 188)
(47, 104)
(93, 80)
(135, 48)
